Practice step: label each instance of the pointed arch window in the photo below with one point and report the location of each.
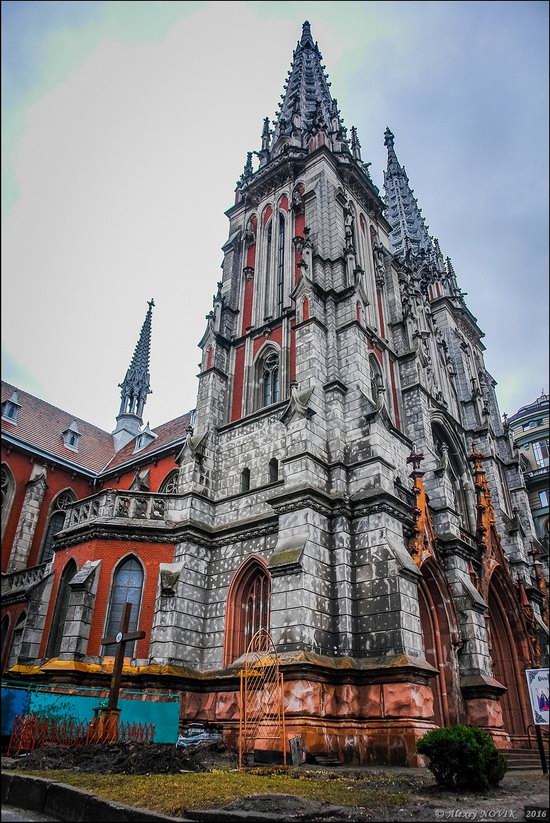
(60, 613)
(455, 473)
(17, 640)
(281, 266)
(55, 524)
(170, 483)
(247, 608)
(127, 587)
(7, 491)
(269, 379)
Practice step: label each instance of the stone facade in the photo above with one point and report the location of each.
(338, 349)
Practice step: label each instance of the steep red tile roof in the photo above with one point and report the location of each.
(41, 425)
(170, 432)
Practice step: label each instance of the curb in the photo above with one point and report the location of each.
(67, 803)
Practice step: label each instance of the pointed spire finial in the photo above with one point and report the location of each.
(135, 386)
(389, 137)
(355, 144)
(306, 34)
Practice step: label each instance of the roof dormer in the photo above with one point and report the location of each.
(10, 409)
(144, 438)
(71, 436)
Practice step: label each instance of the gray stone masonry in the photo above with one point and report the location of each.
(28, 518)
(39, 599)
(76, 632)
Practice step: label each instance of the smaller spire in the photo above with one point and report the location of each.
(135, 386)
(355, 144)
(265, 152)
(248, 170)
(409, 229)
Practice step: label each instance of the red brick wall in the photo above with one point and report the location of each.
(110, 552)
(238, 382)
(57, 479)
(276, 336)
(157, 473)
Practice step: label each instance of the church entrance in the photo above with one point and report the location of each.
(435, 622)
(509, 658)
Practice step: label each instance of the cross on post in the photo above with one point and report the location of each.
(120, 639)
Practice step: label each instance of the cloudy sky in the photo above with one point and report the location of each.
(125, 128)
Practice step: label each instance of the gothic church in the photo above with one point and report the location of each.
(345, 481)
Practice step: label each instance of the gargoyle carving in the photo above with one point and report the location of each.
(298, 405)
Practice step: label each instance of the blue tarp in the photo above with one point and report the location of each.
(79, 708)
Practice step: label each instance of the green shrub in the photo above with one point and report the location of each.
(463, 757)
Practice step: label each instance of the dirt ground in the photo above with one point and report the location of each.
(130, 758)
(422, 800)
(356, 794)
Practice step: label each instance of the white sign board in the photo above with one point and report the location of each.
(539, 694)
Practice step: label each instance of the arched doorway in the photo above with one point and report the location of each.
(509, 655)
(439, 626)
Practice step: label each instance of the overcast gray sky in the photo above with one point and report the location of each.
(125, 128)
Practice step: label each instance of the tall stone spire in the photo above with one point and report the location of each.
(307, 96)
(135, 387)
(409, 230)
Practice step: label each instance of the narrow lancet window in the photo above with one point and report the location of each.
(268, 287)
(281, 266)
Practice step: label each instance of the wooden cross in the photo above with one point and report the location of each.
(122, 637)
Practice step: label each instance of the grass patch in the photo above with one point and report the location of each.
(172, 794)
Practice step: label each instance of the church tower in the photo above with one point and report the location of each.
(338, 351)
(347, 483)
(135, 387)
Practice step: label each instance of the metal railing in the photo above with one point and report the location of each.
(30, 732)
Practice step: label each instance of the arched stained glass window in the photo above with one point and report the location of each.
(170, 483)
(60, 613)
(127, 587)
(247, 608)
(55, 524)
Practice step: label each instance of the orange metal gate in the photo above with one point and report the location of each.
(262, 715)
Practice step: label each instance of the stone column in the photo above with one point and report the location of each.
(39, 601)
(76, 633)
(28, 519)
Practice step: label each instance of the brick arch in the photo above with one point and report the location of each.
(510, 654)
(240, 589)
(440, 633)
(53, 511)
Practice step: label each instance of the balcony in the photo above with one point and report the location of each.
(533, 474)
(20, 581)
(116, 507)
